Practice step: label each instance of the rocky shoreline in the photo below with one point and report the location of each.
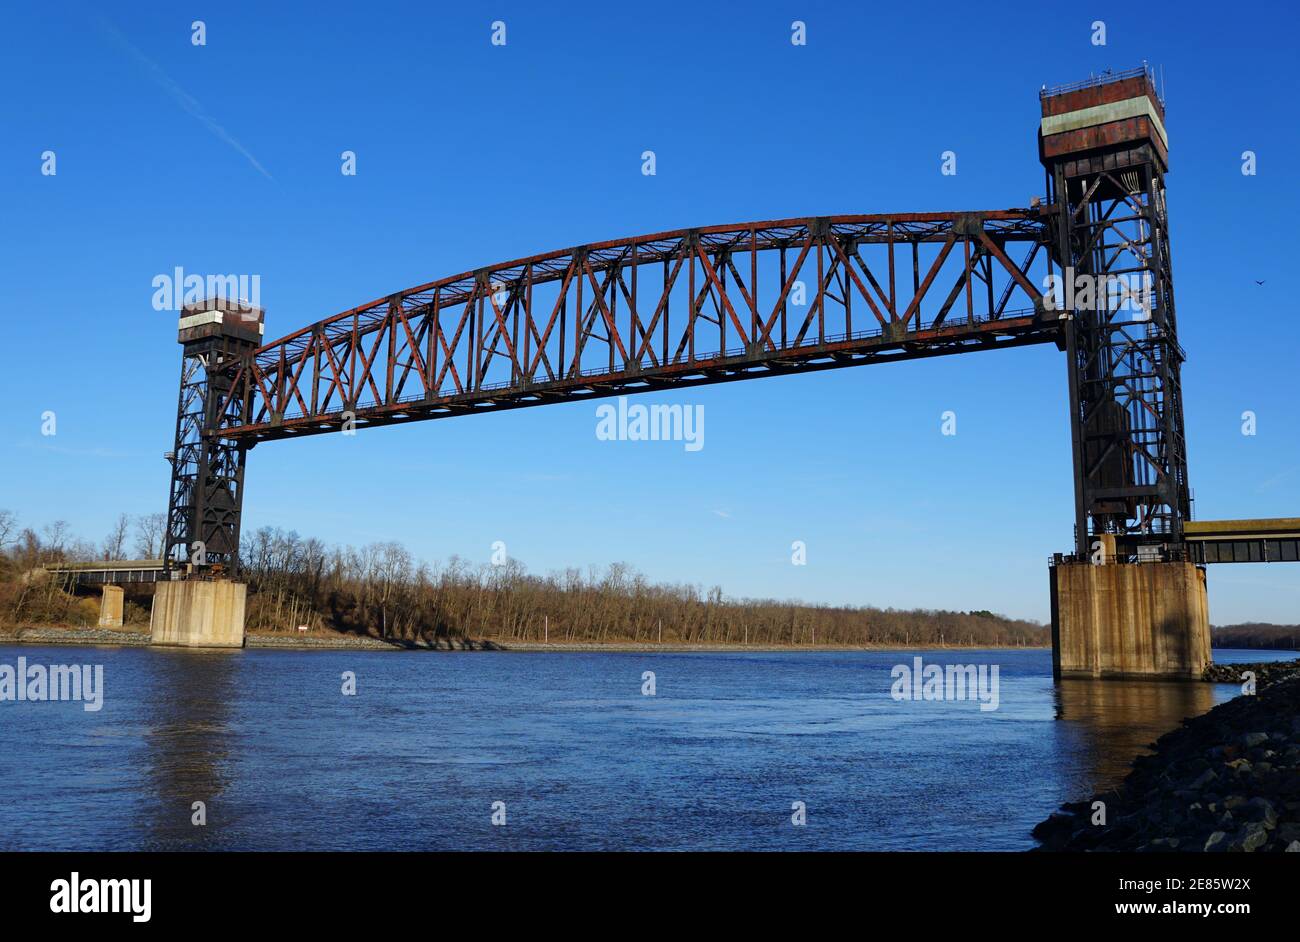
(365, 642)
(129, 637)
(54, 635)
(1228, 780)
(1266, 672)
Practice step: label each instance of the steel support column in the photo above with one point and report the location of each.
(207, 481)
(1111, 240)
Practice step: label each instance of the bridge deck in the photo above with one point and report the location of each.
(1268, 540)
(110, 571)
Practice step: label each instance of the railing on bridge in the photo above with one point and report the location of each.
(1149, 553)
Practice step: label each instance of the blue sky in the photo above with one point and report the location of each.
(225, 158)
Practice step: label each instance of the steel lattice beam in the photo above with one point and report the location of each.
(673, 309)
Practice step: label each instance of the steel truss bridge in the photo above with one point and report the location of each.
(734, 302)
(656, 312)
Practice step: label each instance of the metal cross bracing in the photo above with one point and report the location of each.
(207, 482)
(1123, 355)
(663, 311)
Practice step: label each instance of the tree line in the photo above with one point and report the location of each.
(380, 589)
(1256, 635)
(139, 537)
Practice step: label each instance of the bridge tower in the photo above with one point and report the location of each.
(1104, 147)
(199, 604)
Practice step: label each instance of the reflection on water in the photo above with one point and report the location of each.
(1121, 718)
(282, 760)
(188, 741)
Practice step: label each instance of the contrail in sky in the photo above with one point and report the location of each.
(183, 98)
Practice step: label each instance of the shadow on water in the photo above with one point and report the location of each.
(187, 741)
(1118, 719)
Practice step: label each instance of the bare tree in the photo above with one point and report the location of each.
(56, 537)
(8, 527)
(150, 531)
(390, 569)
(115, 542)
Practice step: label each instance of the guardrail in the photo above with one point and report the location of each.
(1163, 555)
(1105, 78)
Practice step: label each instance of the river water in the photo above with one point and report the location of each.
(579, 756)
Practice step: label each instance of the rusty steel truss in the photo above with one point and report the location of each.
(725, 303)
(662, 311)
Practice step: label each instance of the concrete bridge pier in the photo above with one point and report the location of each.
(110, 607)
(197, 613)
(1148, 619)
